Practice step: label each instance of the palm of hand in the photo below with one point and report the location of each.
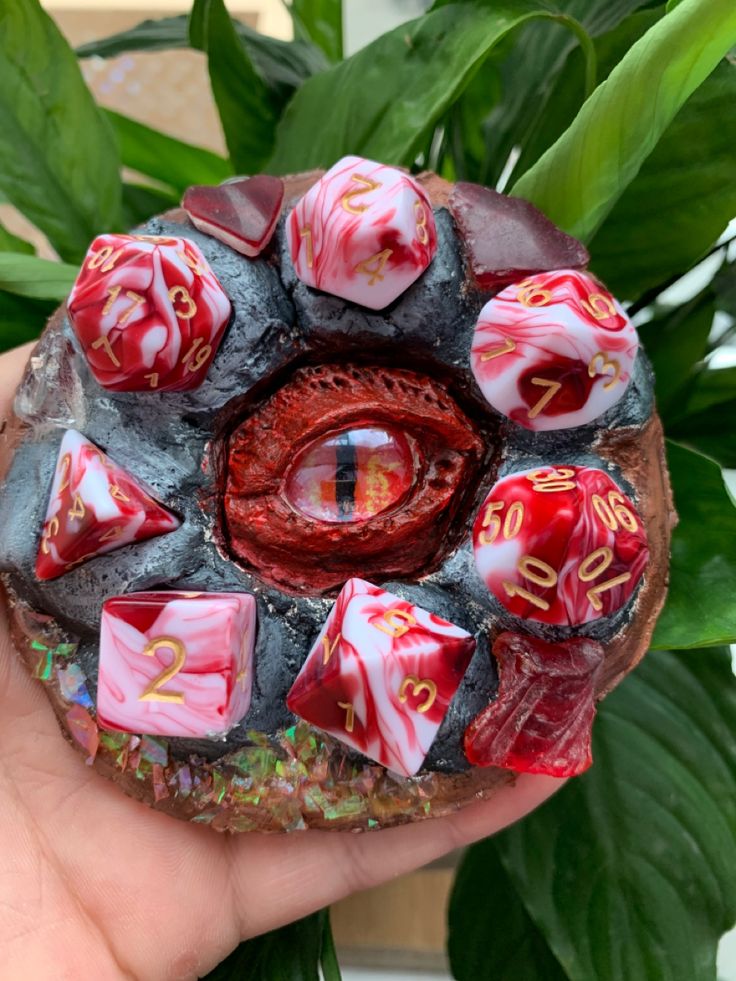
(94, 884)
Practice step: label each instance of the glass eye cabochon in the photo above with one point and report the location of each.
(175, 444)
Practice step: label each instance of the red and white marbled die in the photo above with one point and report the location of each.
(95, 507)
(364, 232)
(148, 312)
(554, 351)
(561, 545)
(381, 676)
(176, 664)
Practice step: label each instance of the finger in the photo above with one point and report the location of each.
(308, 871)
(12, 364)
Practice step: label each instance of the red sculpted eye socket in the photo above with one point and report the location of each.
(350, 471)
(351, 475)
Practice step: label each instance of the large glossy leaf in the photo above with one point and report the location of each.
(676, 341)
(527, 69)
(292, 953)
(581, 177)
(491, 937)
(706, 420)
(628, 872)
(700, 608)
(58, 159)
(39, 279)
(21, 319)
(166, 159)
(247, 107)
(429, 61)
(319, 21)
(681, 200)
(283, 65)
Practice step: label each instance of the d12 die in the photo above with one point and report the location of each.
(553, 351)
(176, 664)
(95, 507)
(364, 232)
(560, 545)
(381, 676)
(148, 312)
(541, 719)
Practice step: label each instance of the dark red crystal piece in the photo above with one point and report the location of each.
(508, 238)
(241, 213)
(541, 720)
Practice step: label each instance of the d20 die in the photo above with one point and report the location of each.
(561, 545)
(381, 676)
(541, 719)
(364, 232)
(176, 664)
(242, 213)
(148, 312)
(553, 351)
(95, 507)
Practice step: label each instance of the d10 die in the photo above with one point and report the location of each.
(560, 545)
(553, 351)
(364, 232)
(541, 719)
(381, 676)
(95, 507)
(148, 312)
(176, 664)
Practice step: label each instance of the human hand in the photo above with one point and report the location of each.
(96, 885)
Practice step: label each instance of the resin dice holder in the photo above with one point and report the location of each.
(334, 501)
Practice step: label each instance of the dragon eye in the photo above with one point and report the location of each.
(352, 475)
(350, 471)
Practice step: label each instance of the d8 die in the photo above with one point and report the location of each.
(364, 232)
(560, 545)
(541, 720)
(176, 664)
(381, 676)
(553, 351)
(95, 507)
(148, 312)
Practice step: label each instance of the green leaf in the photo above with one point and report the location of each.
(38, 279)
(290, 954)
(21, 319)
(491, 936)
(528, 69)
(58, 160)
(676, 341)
(580, 178)
(247, 110)
(164, 158)
(682, 198)
(628, 871)
(12, 243)
(707, 419)
(141, 203)
(700, 610)
(284, 65)
(319, 21)
(429, 61)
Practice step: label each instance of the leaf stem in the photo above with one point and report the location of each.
(588, 48)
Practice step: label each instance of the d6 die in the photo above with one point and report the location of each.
(553, 351)
(364, 232)
(176, 664)
(560, 545)
(381, 676)
(148, 312)
(95, 507)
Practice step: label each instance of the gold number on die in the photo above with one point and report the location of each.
(152, 692)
